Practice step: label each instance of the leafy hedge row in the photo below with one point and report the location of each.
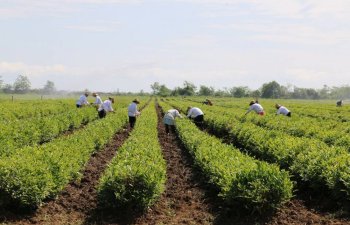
(329, 131)
(26, 109)
(36, 130)
(241, 179)
(310, 160)
(136, 176)
(33, 174)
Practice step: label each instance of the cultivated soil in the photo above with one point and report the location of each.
(186, 200)
(78, 200)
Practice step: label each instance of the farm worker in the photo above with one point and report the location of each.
(253, 106)
(169, 119)
(196, 114)
(105, 107)
(132, 112)
(283, 110)
(83, 100)
(98, 101)
(340, 103)
(207, 102)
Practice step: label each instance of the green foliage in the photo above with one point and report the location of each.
(22, 84)
(206, 91)
(241, 179)
(136, 176)
(37, 130)
(312, 161)
(32, 174)
(271, 90)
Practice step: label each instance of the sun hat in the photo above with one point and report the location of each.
(112, 99)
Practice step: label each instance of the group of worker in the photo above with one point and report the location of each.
(194, 113)
(256, 107)
(197, 115)
(104, 107)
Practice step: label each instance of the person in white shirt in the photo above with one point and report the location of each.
(106, 107)
(196, 114)
(256, 107)
(132, 112)
(98, 101)
(169, 119)
(283, 110)
(82, 101)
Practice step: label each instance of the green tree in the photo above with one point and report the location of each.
(155, 87)
(256, 94)
(305, 93)
(7, 88)
(189, 88)
(164, 91)
(222, 93)
(176, 91)
(340, 92)
(206, 91)
(22, 84)
(325, 91)
(271, 90)
(1, 82)
(49, 87)
(240, 92)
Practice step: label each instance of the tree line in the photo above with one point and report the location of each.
(268, 90)
(22, 85)
(273, 89)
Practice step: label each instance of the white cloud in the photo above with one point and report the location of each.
(57, 8)
(196, 41)
(286, 8)
(287, 32)
(335, 8)
(96, 26)
(307, 75)
(316, 78)
(33, 70)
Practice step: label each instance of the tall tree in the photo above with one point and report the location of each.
(164, 91)
(325, 91)
(49, 87)
(206, 91)
(7, 88)
(22, 84)
(1, 82)
(222, 93)
(271, 90)
(189, 88)
(340, 92)
(155, 87)
(256, 94)
(240, 92)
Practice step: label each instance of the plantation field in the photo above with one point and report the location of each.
(63, 165)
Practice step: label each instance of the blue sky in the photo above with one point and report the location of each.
(128, 45)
